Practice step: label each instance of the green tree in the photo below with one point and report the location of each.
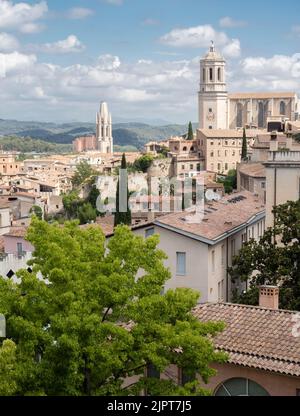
(244, 146)
(86, 213)
(83, 172)
(91, 323)
(190, 132)
(275, 259)
(143, 163)
(72, 203)
(230, 181)
(37, 211)
(122, 217)
(8, 376)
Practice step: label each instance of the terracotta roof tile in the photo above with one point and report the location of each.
(261, 95)
(255, 170)
(255, 337)
(220, 216)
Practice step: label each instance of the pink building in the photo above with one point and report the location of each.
(84, 144)
(15, 243)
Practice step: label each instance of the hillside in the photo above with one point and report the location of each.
(125, 134)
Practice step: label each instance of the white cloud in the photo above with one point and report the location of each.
(201, 37)
(195, 37)
(69, 45)
(108, 62)
(151, 88)
(22, 16)
(229, 22)
(8, 42)
(233, 49)
(77, 13)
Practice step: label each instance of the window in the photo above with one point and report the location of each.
(211, 143)
(191, 167)
(219, 74)
(182, 167)
(221, 291)
(219, 167)
(233, 153)
(213, 266)
(240, 387)
(203, 75)
(244, 238)
(226, 166)
(232, 248)
(19, 249)
(263, 185)
(180, 264)
(226, 153)
(184, 149)
(219, 153)
(282, 108)
(149, 232)
(211, 154)
(210, 127)
(210, 74)
(210, 110)
(223, 255)
(152, 372)
(226, 143)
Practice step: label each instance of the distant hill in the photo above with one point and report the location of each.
(125, 134)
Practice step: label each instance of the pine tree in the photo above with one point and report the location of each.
(190, 132)
(122, 217)
(244, 146)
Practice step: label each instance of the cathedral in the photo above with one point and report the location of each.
(220, 110)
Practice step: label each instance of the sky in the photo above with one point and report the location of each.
(60, 59)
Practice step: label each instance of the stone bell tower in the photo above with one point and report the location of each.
(213, 96)
(104, 130)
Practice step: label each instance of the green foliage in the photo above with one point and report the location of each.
(190, 132)
(143, 163)
(92, 323)
(275, 259)
(86, 213)
(83, 173)
(230, 181)
(28, 144)
(122, 217)
(244, 146)
(72, 203)
(8, 376)
(37, 211)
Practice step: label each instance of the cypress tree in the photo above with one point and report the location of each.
(190, 132)
(122, 217)
(244, 146)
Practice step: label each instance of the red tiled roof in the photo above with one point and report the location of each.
(255, 337)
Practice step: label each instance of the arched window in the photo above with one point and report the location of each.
(219, 74)
(239, 115)
(203, 75)
(184, 149)
(282, 108)
(240, 387)
(192, 148)
(261, 115)
(210, 74)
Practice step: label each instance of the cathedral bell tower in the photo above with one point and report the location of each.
(104, 130)
(213, 96)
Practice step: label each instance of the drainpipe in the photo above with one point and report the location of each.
(227, 274)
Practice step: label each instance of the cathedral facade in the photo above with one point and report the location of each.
(220, 110)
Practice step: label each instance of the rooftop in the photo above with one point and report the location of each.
(228, 133)
(17, 232)
(255, 337)
(220, 217)
(255, 170)
(261, 95)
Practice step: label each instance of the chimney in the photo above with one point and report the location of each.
(274, 142)
(269, 297)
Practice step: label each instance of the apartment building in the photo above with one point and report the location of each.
(200, 252)
(222, 149)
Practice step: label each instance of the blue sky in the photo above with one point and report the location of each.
(62, 58)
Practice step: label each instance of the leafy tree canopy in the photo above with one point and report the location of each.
(91, 323)
(37, 211)
(83, 172)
